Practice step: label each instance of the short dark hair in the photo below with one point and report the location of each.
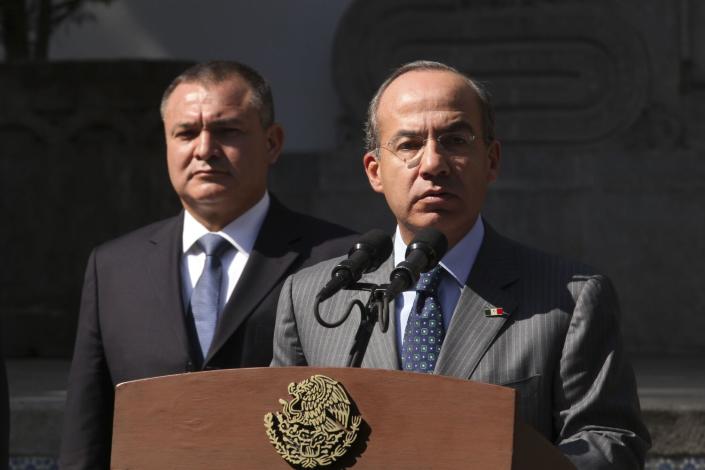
(372, 128)
(218, 71)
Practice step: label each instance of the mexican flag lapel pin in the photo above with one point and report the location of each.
(495, 312)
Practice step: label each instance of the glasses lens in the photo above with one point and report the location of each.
(406, 148)
(456, 143)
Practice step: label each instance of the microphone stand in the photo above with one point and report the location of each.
(376, 310)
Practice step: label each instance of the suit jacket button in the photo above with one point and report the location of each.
(189, 366)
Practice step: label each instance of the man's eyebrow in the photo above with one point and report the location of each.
(184, 126)
(216, 123)
(404, 133)
(226, 121)
(458, 126)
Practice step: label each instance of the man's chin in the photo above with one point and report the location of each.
(211, 200)
(212, 194)
(434, 215)
(447, 222)
(428, 219)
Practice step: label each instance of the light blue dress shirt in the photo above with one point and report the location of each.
(458, 262)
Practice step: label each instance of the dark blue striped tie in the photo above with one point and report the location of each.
(205, 299)
(424, 331)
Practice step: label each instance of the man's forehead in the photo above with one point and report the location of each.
(441, 86)
(195, 103)
(420, 99)
(228, 93)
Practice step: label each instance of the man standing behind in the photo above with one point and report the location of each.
(493, 310)
(197, 291)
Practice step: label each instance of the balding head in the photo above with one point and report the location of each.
(486, 110)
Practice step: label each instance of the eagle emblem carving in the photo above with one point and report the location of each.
(316, 427)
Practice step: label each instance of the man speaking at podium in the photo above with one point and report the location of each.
(492, 310)
(197, 291)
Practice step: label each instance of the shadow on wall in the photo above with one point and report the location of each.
(81, 161)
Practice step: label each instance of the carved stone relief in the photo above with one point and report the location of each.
(557, 73)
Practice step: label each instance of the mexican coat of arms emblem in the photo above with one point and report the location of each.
(316, 427)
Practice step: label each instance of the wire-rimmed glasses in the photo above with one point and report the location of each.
(410, 148)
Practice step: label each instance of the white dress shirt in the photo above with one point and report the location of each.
(458, 262)
(241, 233)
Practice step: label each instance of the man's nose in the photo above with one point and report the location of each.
(206, 147)
(432, 160)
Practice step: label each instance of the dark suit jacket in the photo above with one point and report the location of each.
(133, 325)
(559, 346)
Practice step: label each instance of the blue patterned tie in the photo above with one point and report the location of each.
(424, 332)
(205, 299)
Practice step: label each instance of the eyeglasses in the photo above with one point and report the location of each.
(409, 149)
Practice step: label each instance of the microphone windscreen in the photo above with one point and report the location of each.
(432, 242)
(432, 238)
(378, 244)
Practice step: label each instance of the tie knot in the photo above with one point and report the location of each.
(428, 282)
(213, 245)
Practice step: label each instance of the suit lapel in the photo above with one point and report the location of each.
(274, 251)
(382, 350)
(489, 285)
(163, 264)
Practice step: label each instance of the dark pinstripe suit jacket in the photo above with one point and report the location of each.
(559, 347)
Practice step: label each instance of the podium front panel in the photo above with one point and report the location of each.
(215, 420)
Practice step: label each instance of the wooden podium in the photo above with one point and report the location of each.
(215, 420)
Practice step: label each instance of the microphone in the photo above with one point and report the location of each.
(423, 254)
(365, 256)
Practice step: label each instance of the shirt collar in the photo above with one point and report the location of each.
(458, 261)
(241, 232)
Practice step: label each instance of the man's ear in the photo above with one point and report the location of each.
(373, 171)
(275, 142)
(494, 155)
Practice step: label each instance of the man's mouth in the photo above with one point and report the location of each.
(209, 172)
(434, 195)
